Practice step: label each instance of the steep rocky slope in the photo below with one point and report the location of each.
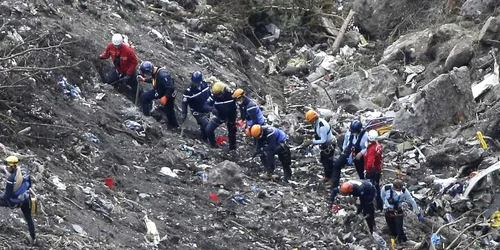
(71, 141)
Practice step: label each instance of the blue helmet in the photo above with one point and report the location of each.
(196, 77)
(146, 67)
(355, 126)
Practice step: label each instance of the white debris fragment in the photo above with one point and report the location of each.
(168, 172)
(57, 182)
(152, 234)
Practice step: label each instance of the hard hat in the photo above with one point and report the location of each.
(196, 77)
(355, 126)
(372, 135)
(11, 161)
(247, 132)
(311, 115)
(256, 130)
(238, 93)
(346, 188)
(146, 67)
(117, 39)
(218, 87)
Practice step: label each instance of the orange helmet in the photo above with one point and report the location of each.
(311, 115)
(256, 130)
(247, 132)
(238, 93)
(346, 188)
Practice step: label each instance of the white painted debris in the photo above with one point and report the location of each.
(168, 172)
(57, 182)
(78, 229)
(100, 96)
(152, 234)
(444, 183)
(474, 180)
(489, 80)
(347, 51)
(328, 63)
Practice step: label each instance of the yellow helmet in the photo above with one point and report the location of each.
(218, 87)
(256, 130)
(238, 93)
(11, 161)
(311, 115)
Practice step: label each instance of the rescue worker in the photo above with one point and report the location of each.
(366, 193)
(17, 192)
(249, 111)
(353, 150)
(373, 163)
(326, 141)
(271, 141)
(224, 110)
(124, 61)
(163, 89)
(195, 96)
(393, 195)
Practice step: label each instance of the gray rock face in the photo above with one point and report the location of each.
(445, 100)
(478, 7)
(370, 89)
(490, 31)
(413, 43)
(226, 173)
(459, 56)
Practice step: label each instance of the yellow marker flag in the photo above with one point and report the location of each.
(481, 140)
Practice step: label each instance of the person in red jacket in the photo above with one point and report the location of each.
(373, 163)
(125, 63)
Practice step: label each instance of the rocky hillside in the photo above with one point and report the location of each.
(431, 66)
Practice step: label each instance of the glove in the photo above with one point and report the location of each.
(215, 112)
(334, 207)
(141, 78)
(420, 217)
(163, 101)
(349, 160)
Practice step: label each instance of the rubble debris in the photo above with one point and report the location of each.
(478, 177)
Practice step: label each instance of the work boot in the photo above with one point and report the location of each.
(266, 176)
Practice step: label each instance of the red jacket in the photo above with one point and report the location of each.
(126, 56)
(373, 157)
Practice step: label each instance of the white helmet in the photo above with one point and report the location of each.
(372, 135)
(117, 39)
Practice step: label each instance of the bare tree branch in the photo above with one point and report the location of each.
(31, 69)
(35, 49)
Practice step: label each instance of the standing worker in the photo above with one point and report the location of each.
(124, 61)
(249, 111)
(393, 195)
(269, 142)
(366, 193)
(224, 110)
(373, 163)
(353, 150)
(163, 89)
(17, 192)
(195, 96)
(326, 141)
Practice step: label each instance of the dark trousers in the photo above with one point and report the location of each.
(231, 131)
(202, 120)
(326, 158)
(113, 76)
(375, 180)
(368, 210)
(340, 163)
(395, 223)
(169, 110)
(25, 208)
(285, 157)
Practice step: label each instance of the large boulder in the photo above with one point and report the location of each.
(490, 31)
(373, 88)
(227, 174)
(472, 8)
(444, 101)
(426, 45)
(459, 56)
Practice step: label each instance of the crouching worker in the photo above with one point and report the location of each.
(163, 87)
(269, 142)
(393, 195)
(366, 193)
(17, 192)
